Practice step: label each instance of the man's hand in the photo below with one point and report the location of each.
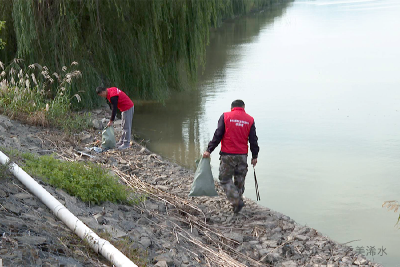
(254, 162)
(206, 154)
(110, 123)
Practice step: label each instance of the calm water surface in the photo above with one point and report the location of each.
(321, 78)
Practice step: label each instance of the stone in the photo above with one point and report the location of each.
(90, 222)
(97, 124)
(128, 225)
(86, 138)
(2, 129)
(104, 121)
(164, 257)
(145, 241)
(12, 208)
(6, 123)
(272, 258)
(347, 260)
(185, 259)
(23, 195)
(161, 264)
(115, 231)
(31, 240)
(276, 230)
(234, 236)
(16, 141)
(270, 244)
(276, 236)
(302, 237)
(289, 264)
(360, 260)
(2, 193)
(152, 206)
(263, 251)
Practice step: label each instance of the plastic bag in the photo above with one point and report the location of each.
(203, 183)
(108, 138)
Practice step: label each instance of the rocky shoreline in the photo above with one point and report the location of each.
(168, 229)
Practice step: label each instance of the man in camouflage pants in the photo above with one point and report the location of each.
(235, 129)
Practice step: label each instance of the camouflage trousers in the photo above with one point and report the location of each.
(236, 166)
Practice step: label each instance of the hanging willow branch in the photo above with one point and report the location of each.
(145, 47)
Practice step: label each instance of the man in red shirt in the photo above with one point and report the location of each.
(120, 100)
(235, 129)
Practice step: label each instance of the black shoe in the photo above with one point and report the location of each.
(239, 207)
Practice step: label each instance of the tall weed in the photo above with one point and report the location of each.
(33, 95)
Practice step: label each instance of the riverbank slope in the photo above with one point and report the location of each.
(168, 229)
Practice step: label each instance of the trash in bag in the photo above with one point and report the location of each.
(203, 183)
(108, 138)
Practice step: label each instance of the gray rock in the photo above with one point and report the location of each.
(263, 251)
(152, 206)
(86, 138)
(164, 257)
(145, 242)
(23, 195)
(360, 260)
(90, 222)
(104, 121)
(5, 123)
(161, 264)
(347, 260)
(31, 240)
(276, 230)
(2, 129)
(302, 237)
(12, 208)
(2, 193)
(289, 264)
(115, 231)
(272, 258)
(270, 244)
(97, 124)
(128, 225)
(234, 236)
(185, 259)
(16, 142)
(276, 236)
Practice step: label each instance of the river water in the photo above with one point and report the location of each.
(321, 78)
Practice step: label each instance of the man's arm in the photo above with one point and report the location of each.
(253, 140)
(218, 134)
(114, 102)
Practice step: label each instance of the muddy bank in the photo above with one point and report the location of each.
(168, 229)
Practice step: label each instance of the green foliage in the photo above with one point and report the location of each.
(2, 43)
(89, 182)
(32, 94)
(146, 48)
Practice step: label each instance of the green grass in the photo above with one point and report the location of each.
(87, 181)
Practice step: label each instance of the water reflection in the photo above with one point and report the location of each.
(178, 129)
(321, 80)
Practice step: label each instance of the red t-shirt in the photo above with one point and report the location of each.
(124, 102)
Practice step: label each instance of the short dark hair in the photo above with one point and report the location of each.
(100, 89)
(237, 104)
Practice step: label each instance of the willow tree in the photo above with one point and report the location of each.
(2, 23)
(145, 47)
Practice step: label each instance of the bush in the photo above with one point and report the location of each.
(32, 95)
